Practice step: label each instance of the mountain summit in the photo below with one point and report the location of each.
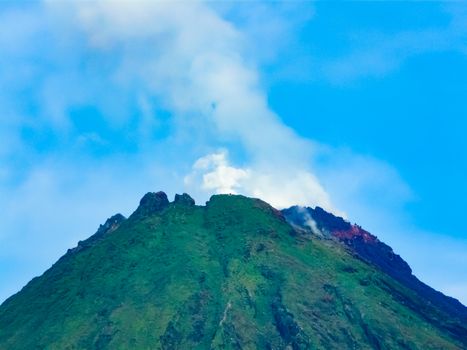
(233, 274)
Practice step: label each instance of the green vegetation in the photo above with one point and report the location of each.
(230, 275)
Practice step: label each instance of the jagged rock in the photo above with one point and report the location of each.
(151, 203)
(325, 222)
(184, 199)
(111, 224)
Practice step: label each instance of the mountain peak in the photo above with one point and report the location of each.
(232, 274)
(111, 224)
(184, 199)
(151, 203)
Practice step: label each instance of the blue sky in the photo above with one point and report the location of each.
(358, 107)
(410, 113)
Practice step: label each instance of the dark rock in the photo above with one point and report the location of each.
(184, 199)
(111, 224)
(287, 327)
(171, 337)
(374, 251)
(325, 222)
(370, 249)
(329, 221)
(151, 203)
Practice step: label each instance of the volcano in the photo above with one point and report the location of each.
(235, 273)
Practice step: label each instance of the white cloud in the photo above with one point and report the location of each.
(285, 187)
(278, 186)
(216, 174)
(201, 72)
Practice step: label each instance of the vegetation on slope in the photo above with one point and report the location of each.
(230, 275)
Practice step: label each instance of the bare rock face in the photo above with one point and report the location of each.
(324, 221)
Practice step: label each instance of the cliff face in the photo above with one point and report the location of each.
(233, 274)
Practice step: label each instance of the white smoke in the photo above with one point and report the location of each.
(308, 221)
(216, 174)
(195, 64)
(280, 187)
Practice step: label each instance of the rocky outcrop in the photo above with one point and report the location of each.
(184, 199)
(110, 225)
(151, 203)
(371, 249)
(321, 219)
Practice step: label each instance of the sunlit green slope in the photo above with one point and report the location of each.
(230, 275)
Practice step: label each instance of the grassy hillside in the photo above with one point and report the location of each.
(230, 275)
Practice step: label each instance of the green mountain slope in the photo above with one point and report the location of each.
(230, 275)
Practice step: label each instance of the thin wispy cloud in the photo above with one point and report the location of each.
(376, 54)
